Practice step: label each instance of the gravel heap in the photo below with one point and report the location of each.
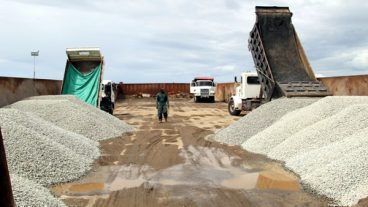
(325, 143)
(75, 116)
(322, 133)
(77, 143)
(291, 123)
(33, 154)
(112, 120)
(31, 194)
(259, 119)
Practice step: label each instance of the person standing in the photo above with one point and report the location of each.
(162, 104)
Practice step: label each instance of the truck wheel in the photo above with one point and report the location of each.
(196, 99)
(212, 99)
(232, 110)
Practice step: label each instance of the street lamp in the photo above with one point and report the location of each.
(34, 54)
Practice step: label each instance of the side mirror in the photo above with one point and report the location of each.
(235, 79)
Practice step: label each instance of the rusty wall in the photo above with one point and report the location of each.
(224, 91)
(347, 85)
(128, 89)
(15, 89)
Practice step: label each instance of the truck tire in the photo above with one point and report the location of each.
(231, 108)
(212, 99)
(196, 99)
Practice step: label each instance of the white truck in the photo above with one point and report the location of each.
(203, 88)
(248, 95)
(107, 96)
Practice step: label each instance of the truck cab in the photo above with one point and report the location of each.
(247, 94)
(107, 96)
(203, 88)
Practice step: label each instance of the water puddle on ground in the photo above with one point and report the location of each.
(208, 167)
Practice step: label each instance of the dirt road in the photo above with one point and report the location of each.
(172, 164)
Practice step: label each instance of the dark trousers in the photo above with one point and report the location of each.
(162, 110)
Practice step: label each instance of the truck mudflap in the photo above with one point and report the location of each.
(282, 66)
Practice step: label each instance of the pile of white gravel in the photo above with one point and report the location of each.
(36, 155)
(112, 120)
(259, 119)
(31, 194)
(75, 116)
(291, 123)
(76, 142)
(322, 133)
(325, 143)
(338, 170)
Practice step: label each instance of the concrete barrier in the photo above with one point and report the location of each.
(15, 89)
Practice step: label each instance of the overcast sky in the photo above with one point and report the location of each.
(174, 40)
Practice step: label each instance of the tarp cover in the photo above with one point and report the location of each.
(85, 87)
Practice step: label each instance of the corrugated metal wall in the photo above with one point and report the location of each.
(128, 89)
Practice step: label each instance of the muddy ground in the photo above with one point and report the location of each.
(172, 164)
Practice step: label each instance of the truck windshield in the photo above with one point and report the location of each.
(252, 80)
(204, 83)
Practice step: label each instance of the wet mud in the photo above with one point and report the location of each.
(172, 164)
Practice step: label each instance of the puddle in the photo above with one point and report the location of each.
(208, 167)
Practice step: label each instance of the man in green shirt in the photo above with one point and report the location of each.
(162, 104)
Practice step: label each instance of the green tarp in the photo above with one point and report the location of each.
(85, 87)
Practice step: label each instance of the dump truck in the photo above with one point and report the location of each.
(281, 64)
(203, 88)
(83, 74)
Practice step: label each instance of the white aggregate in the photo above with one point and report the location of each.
(344, 179)
(322, 133)
(291, 123)
(36, 157)
(77, 143)
(259, 119)
(109, 119)
(76, 117)
(30, 194)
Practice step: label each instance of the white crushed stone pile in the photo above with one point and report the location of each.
(291, 123)
(344, 179)
(112, 120)
(77, 143)
(31, 194)
(306, 163)
(259, 119)
(78, 118)
(322, 133)
(39, 158)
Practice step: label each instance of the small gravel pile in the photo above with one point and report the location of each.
(77, 143)
(76, 117)
(112, 120)
(259, 119)
(31, 194)
(322, 133)
(40, 158)
(291, 123)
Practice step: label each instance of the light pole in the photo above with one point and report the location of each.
(34, 54)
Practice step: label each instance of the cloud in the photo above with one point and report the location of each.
(173, 41)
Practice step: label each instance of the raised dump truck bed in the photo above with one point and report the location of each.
(83, 74)
(282, 66)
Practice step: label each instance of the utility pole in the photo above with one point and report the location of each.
(34, 54)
